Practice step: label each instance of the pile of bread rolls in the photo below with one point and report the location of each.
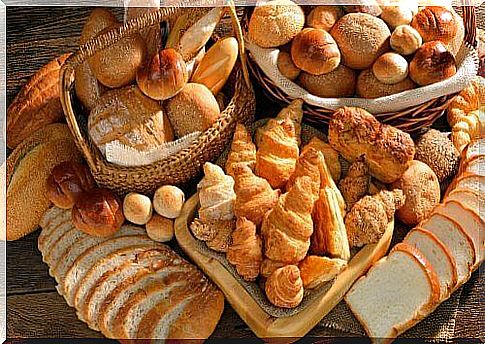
(361, 51)
(143, 91)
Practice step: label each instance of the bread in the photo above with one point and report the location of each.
(217, 64)
(470, 199)
(160, 229)
(338, 83)
(67, 181)
(324, 17)
(308, 164)
(222, 234)
(316, 270)
(356, 183)
(408, 290)
(368, 86)
(27, 170)
(126, 116)
(152, 35)
(371, 7)
(168, 201)
(286, 66)
(284, 288)
(99, 19)
(432, 63)
(164, 76)
(243, 150)
(422, 190)
(98, 213)
(137, 208)
(475, 166)
(405, 40)
(331, 156)
(275, 23)
(193, 109)
(470, 182)
(397, 14)
(315, 51)
(390, 68)
(269, 266)
(388, 151)
(436, 23)
(362, 38)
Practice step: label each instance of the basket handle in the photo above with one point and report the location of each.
(469, 20)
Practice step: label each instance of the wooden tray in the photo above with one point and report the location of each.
(260, 322)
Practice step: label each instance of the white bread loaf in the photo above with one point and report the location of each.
(471, 199)
(476, 166)
(470, 182)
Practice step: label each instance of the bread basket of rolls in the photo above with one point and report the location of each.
(400, 60)
(151, 100)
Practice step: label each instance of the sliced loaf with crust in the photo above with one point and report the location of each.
(471, 199)
(50, 240)
(475, 148)
(470, 182)
(476, 166)
(60, 245)
(49, 222)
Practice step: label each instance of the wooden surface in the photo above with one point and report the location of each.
(34, 309)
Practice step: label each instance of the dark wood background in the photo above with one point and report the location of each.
(34, 308)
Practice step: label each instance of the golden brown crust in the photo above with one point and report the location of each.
(316, 270)
(331, 156)
(432, 63)
(284, 288)
(286, 66)
(368, 86)
(243, 150)
(308, 164)
(339, 83)
(435, 23)
(269, 266)
(324, 17)
(356, 183)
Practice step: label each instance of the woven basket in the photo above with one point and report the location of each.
(410, 120)
(179, 168)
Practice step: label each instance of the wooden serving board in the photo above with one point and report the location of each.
(261, 323)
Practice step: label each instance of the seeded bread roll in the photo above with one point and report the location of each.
(336, 84)
(368, 86)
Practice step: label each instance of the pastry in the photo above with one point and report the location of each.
(287, 228)
(137, 208)
(286, 66)
(316, 270)
(243, 150)
(160, 229)
(405, 40)
(390, 68)
(388, 151)
(356, 183)
(339, 83)
(245, 251)
(168, 201)
(432, 63)
(308, 164)
(368, 86)
(269, 266)
(216, 195)
(331, 156)
(202, 231)
(324, 17)
(284, 288)
(223, 235)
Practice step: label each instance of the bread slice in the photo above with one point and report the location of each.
(470, 222)
(51, 225)
(51, 216)
(475, 148)
(476, 166)
(470, 182)
(397, 292)
(65, 240)
(470, 199)
(455, 238)
(437, 255)
(51, 240)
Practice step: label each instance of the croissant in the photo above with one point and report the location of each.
(269, 266)
(216, 195)
(222, 238)
(277, 154)
(243, 150)
(331, 156)
(255, 197)
(287, 228)
(245, 252)
(315, 270)
(356, 183)
(284, 288)
(308, 164)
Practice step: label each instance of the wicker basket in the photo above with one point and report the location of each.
(410, 120)
(179, 168)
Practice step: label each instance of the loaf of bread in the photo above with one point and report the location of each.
(388, 151)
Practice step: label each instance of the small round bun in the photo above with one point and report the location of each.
(397, 15)
(390, 68)
(406, 40)
(165, 75)
(422, 190)
(371, 7)
(368, 86)
(276, 23)
(436, 23)
(324, 17)
(160, 228)
(168, 201)
(432, 63)
(337, 84)
(315, 51)
(287, 67)
(137, 208)
(362, 38)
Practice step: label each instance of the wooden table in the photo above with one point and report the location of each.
(34, 309)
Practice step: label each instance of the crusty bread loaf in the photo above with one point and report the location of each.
(337, 84)
(471, 199)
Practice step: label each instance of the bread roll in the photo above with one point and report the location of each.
(160, 229)
(324, 17)
(396, 15)
(286, 66)
(406, 40)
(436, 23)
(168, 201)
(370, 7)
(390, 68)
(432, 63)
(137, 208)
(99, 19)
(336, 84)
(315, 51)
(276, 23)
(362, 38)
(368, 86)
(193, 109)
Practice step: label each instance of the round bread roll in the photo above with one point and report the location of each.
(406, 40)
(137, 208)
(396, 15)
(422, 190)
(168, 201)
(390, 68)
(98, 213)
(336, 84)
(432, 63)
(286, 66)
(160, 228)
(116, 66)
(362, 38)
(275, 23)
(193, 109)
(368, 86)
(436, 23)
(324, 17)
(99, 19)
(371, 7)
(165, 75)
(315, 51)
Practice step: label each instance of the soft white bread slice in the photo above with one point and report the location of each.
(49, 222)
(470, 199)
(60, 245)
(476, 166)
(470, 222)
(50, 241)
(458, 242)
(474, 149)
(397, 292)
(437, 255)
(470, 182)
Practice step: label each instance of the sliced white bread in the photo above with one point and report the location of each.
(59, 246)
(50, 220)
(397, 292)
(437, 255)
(470, 182)
(458, 242)
(470, 222)
(476, 166)
(51, 240)
(471, 199)
(475, 148)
